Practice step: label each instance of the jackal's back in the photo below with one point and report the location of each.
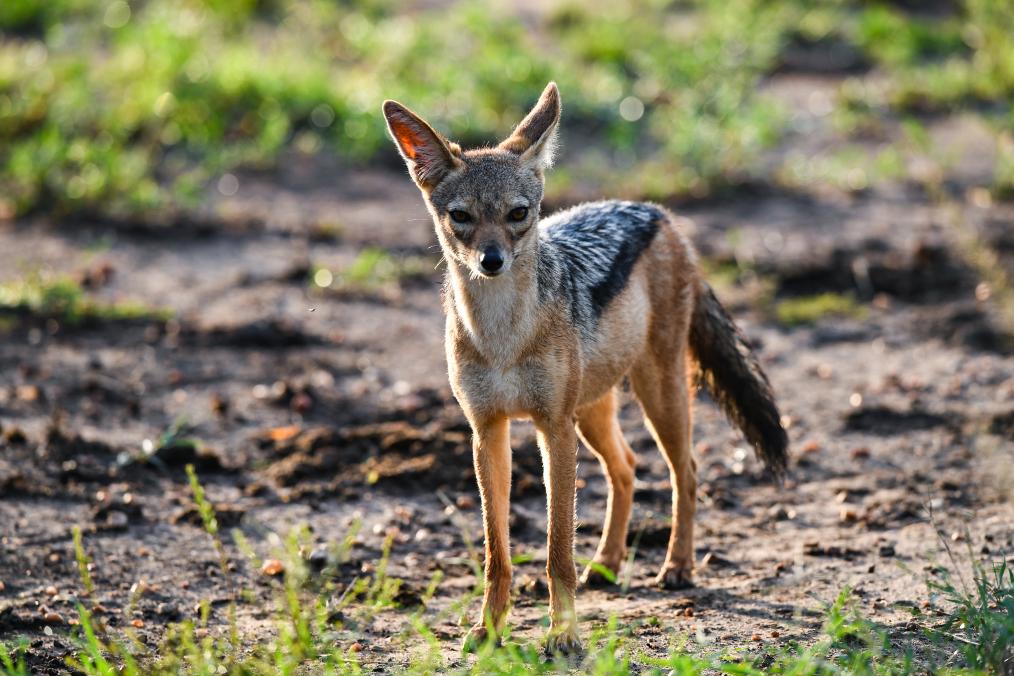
(588, 254)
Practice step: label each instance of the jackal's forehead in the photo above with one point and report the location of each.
(490, 183)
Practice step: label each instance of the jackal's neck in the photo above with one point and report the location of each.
(500, 315)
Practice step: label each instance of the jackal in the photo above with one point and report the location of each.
(545, 317)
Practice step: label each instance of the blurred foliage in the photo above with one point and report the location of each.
(63, 298)
(811, 309)
(130, 109)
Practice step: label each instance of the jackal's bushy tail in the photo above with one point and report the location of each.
(729, 369)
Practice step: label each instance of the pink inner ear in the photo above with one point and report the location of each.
(407, 140)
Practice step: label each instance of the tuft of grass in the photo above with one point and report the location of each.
(64, 299)
(374, 270)
(981, 617)
(12, 659)
(208, 518)
(82, 562)
(811, 309)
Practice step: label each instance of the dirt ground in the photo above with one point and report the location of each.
(326, 409)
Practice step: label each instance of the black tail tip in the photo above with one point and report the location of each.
(773, 450)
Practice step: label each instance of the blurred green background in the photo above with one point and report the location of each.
(131, 109)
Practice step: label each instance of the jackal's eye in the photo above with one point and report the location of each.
(518, 214)
(459, 216)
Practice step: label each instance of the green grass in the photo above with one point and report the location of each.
(317, 624)
(982, 619)
(136, 109)
(374, 270)
(64, 299)
(811, 309)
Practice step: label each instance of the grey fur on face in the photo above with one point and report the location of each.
(490, 185)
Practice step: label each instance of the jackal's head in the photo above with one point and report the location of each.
(485, 203)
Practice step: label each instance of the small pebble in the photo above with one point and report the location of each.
(302, 403)
(52, 618)
(755, 637)
(51, 591)
(688, 611)
(116, 520)
(775, 634)
(137, 623)
(273, 567)
(318, 558)
(778, 513)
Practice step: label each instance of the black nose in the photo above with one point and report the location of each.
(491, 260)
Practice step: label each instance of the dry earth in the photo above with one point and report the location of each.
(324, 410)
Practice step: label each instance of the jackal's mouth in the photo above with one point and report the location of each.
(490, 275)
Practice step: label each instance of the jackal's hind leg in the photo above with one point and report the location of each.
(661, 386)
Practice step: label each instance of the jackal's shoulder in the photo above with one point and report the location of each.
(590, 251)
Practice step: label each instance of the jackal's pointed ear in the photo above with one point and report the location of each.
(428, 155)
(535, 138)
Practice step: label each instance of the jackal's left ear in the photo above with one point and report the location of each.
(535, 138)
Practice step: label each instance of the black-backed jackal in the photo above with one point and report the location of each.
(545, 318)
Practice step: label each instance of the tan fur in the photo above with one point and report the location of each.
(512, 355)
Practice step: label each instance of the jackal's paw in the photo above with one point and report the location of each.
(476, 638)
(563, 642)
(600, 574)
(675, 577)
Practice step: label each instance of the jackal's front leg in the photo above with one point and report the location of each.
(558, 443)
(492, 456)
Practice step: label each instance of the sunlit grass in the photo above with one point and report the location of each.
(373, 271)
(811, 309)
(138, 110)
(63, 298)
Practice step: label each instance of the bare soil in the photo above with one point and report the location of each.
(327, 409)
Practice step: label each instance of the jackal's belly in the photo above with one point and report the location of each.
(619, 340)
(561, 371)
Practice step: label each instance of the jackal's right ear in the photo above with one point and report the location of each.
(535, 138)
(427, 154)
